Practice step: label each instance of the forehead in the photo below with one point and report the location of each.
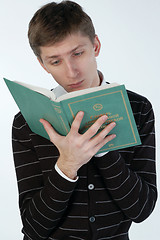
(66, 46)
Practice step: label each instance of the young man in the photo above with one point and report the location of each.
(66, 190)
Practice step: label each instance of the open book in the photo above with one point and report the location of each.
(109, 99)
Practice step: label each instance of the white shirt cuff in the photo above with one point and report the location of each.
(100, 154)
(63, 175)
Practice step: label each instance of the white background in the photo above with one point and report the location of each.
(129, 31)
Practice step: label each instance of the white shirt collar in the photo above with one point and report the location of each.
(59, 90)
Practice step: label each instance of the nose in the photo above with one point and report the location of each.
(71, 69)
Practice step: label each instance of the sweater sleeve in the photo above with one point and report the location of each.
(130, 174)
(42, 203)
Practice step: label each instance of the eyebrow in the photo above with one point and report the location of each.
(73, 50)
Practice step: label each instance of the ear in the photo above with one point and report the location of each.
(97, 46)
(40, 61)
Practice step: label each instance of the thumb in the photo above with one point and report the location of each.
(53, 135)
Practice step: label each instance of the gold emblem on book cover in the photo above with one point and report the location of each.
(98, 107)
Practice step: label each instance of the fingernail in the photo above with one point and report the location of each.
(113, 136)
(81, 113)
(41, 121)
(104, 117)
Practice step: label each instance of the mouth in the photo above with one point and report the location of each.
(76, 85)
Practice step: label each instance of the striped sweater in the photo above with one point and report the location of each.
(110, 193)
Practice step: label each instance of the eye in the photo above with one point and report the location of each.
(55, 63)
(78, 53)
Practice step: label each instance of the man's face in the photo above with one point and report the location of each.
(72, 62)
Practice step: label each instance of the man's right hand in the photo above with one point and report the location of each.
(77, 149)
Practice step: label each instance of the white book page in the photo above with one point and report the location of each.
(50, 94)
(46, 92)
(85, 91)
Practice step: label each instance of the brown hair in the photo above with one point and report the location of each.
(54, 21)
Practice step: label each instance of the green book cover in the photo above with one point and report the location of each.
(112, 101)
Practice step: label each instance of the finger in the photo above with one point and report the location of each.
(77, 122)
(95, 127)
(107, 130)
(103, 142)
(102, 135)
(53, 135)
